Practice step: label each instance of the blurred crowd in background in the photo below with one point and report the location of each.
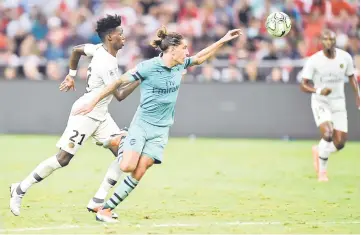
(37, 36)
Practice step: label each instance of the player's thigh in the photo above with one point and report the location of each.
(339, 115)
(321, 112)
(154, 148)
(106, 129)
(77, 131)
(340, 121)
(133, 147)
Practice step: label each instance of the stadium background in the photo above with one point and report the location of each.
(250, 89)
(36, 40)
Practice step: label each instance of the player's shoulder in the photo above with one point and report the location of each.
(96, 46)
(101, 56)
(148, 64)
(317, 55)
(91, 49)
(342, 53)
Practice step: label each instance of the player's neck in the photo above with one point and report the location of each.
(168, 61)
(331, 53)
(110, 50)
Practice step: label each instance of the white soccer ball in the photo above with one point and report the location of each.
(278, 24)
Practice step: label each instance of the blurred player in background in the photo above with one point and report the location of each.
(327, 70)
(102, 70)
(148, 133)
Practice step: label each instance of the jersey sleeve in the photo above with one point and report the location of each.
(89, 49)
(140, 72)
(350, 69)
(188, 62)
(308, 70)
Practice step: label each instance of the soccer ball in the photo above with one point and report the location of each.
(278, 24)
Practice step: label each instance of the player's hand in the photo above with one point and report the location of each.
(83, 110)
(326, 91)
(232, 34)
(67, 84)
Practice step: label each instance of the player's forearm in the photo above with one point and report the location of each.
(306, 87)
(207, 52)
(76, 53)
(354, 84)
(126, 91)
(108, 90)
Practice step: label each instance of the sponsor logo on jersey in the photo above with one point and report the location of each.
(341, 66)
(165, 90)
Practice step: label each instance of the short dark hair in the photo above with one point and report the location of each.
(107, 24)
(165, 39)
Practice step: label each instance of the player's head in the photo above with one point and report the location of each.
(110, 31)
(172, 44)
(328, 38)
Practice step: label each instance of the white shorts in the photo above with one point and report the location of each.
(80, 128)
(334, 112)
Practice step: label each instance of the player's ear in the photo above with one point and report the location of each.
(109, 37)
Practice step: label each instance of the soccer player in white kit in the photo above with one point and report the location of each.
(98, 124)
(327, 70)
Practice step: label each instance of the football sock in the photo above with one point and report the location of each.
(111, 178)
(121, 192)
(331, 147)
(43, 170)
(324, 152)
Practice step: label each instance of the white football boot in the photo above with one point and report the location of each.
(15, 199)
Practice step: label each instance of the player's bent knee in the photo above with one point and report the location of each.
(64, 158)
(340, 145)
(327, 136)
(129, 161)
(127, 167)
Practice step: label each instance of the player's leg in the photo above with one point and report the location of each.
(133, 147)
(78, 130)
(108, 133)
(339, 139)
(339, 136)
(130, 182)
(321, 152)
(124, 189)
(152, 153)
(340, 126)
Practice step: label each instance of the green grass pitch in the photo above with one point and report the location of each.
(203, 186)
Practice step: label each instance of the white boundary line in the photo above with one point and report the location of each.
(155, 225)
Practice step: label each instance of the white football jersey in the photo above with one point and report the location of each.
(330, 73)
(102, 70)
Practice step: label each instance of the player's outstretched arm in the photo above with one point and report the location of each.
(125, 91)
(77, 52)
(355, 88)
(208, 52)
(110, 89)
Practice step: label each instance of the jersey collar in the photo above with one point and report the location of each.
(160, 61)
